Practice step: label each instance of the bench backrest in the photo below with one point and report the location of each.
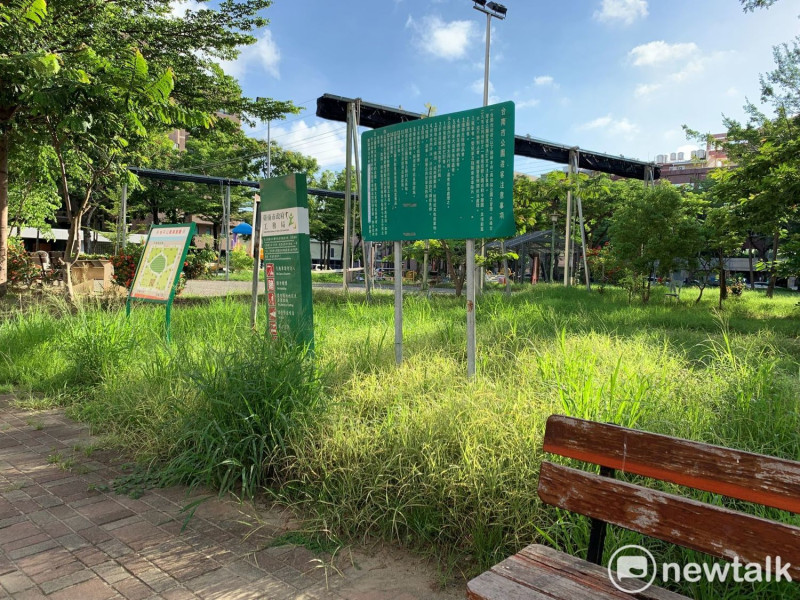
(712, 529)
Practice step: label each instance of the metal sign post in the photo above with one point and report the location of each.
(471, 307)
(256, 262)
(398, 303)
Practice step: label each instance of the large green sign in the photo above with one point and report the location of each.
(287, 257)
(447, 177)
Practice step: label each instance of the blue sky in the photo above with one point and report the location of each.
(615, 76)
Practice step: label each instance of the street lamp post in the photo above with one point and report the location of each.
(498, 11)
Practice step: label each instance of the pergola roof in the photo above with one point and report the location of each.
(373, 116)
(535, 238)
(209, 180)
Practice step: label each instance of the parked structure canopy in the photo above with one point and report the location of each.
(373, 116)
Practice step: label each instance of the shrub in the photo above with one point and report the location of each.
(21, 268)
(125, 264)
(240, 260)
(195, 265)
(737, 286)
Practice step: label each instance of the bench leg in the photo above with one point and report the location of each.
(597, 535)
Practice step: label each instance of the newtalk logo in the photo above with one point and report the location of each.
(632, 569)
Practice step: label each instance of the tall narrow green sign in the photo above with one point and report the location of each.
(161, 265)
(287, 257)
(447, 177)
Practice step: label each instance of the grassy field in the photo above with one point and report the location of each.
(417, 454)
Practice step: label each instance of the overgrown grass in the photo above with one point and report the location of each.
(419, 454)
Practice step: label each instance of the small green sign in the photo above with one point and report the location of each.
(287, 257)
(446, 177)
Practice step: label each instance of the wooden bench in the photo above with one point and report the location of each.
(539, 572)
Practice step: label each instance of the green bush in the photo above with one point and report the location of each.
(196, 264)
(241, 260)
(125, 263)
(21, 268)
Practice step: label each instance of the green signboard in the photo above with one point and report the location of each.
(287, 257)
(161, 265)
(447, 177)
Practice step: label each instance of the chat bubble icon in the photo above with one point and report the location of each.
(632, 567)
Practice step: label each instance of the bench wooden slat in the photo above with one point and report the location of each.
(746, 476)
(711, 529)
(538, 572)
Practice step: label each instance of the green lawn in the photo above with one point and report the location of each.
(418, 454)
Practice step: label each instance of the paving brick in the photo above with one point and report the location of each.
(42, 561)
(178, 594)
(94, 589)
(16, 582)
(18, 531)
(133, 589)
(65, 581)
(32, 549)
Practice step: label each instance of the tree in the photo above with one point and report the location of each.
(654, 234)
(23, 65)
(326, 214)
(69, 69)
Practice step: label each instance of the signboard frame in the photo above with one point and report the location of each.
(435, 178)
(190, 232)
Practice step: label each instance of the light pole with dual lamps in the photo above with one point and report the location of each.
(497, 11)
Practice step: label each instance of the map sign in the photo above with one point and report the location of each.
(287, 257)
(162, 262)
(446, 177)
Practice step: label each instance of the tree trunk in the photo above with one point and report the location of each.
(750, 260)
(773, 275)
(700, 297)
(723, 281)
(5, 133)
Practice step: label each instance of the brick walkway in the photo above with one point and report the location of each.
(63, 535)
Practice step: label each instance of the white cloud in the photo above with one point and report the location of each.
(477, 86)
(600, 122)
(645, 89)
(520, 104)
(324, 140)
(732, 91)
(544, 80)
(660, 52)
(178, 8)
(626, 11)
(415, 91)
(447, 40)
(264, 54)
(612, 127)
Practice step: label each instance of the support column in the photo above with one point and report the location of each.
(227, 231)
(568, 229)
(347, 197)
